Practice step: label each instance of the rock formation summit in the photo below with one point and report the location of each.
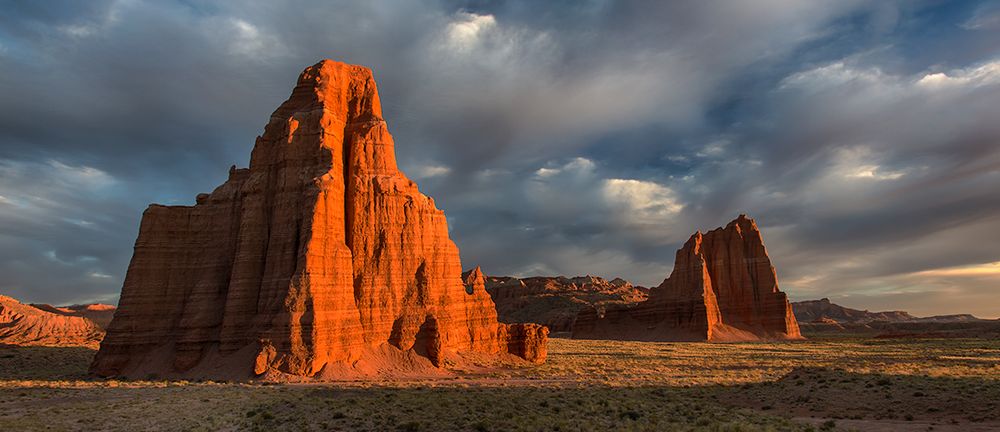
(321, 260)
(722, 288)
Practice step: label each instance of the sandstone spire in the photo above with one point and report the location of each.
(722, 288)
(317, 260)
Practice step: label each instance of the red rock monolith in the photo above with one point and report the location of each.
(722, 288)
(319, 260)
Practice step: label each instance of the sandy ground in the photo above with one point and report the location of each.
(832, 384)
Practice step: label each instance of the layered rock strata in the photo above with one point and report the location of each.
(555, 301)
(319, 259)
(22, 324)
(722, 288)
(526, 340)
(99, 313)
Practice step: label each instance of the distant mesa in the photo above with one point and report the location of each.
(822, 311)
(722, 288)
(823, 317)
(46, 325)
(319, 261)
(556, 301)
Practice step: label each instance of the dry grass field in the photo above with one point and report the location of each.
(826, 384)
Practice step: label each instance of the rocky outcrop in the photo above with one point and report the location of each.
(319, 260)
(524, 339)
(823, 310)
(22, 324)
(823, 317)
(99, 313)
(722, 288)
(555, 301)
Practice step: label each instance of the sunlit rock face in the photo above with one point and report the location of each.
(46, 325)
(722, 288)
(319, 260)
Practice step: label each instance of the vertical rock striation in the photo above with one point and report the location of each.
(722, 288)
(319, 259)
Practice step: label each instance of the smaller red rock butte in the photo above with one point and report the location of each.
(320, 261)
(722, 288)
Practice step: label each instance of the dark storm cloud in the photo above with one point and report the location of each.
(559, 137)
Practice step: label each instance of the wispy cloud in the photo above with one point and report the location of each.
(987, 269)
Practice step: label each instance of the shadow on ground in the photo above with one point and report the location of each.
(44, 363)
(838, 394)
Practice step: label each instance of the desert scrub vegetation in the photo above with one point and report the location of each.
(504, 409)
(689, 364)
(585, 385)
(321, 408)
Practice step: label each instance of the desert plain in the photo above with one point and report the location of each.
(823, 383)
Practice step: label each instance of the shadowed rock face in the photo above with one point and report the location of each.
(555, 301)
(722, 288)
(319, 255)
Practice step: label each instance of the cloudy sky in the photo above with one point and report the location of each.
(560, 137)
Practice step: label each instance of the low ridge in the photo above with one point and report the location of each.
(555, 301)
(22, 324)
